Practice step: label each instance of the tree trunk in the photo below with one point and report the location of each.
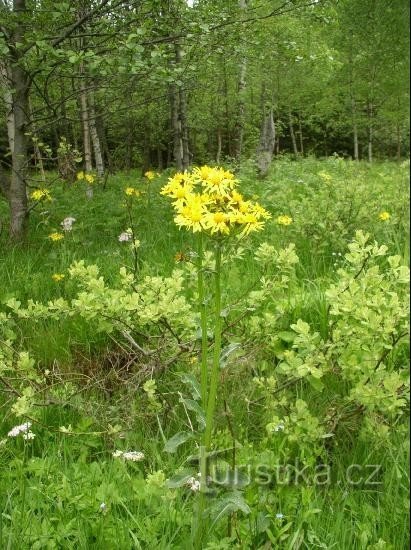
(292, 134)
(85, 118)
(20, 98)
(38, 159)
(355, 129)
(370, 131)
(219, 146)
(241, 88)
(5, 81)
(300, 134)
(266, 147)
(179, 121)
(398, 142)
(176, 129)
(95, 139)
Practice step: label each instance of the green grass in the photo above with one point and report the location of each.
(50, 493)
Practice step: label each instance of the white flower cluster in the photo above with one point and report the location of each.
(23, 429)
(194, 483)
(67, 224)
(133, 456)
(126, 236)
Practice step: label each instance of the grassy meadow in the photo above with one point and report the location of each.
(93, 394)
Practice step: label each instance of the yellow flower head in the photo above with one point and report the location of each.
(325, 176)
(41, 194)
(80, 176)
(215, 181)
(284, 220)
(206, 200)
(58, 277)
(90, 179)
(217, 222)
(56, 237)
(150, 175)
(132, 192)
(384, 216)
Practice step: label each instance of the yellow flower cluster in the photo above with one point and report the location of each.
(132, 192)
(384, 216)
(89, 178)
(207, 200)
(56, 237)
(58, 277)
(150, 175)
(284, 220)
(325, 176)
(41, 195)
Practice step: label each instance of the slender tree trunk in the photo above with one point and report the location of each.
(267, 144)
(370, 131)
(219, 146)
(241, 89)
(179, 120)
(355, 128)
(37, 152)
(265, 149)
(176, 129)
(85, 118)
(95, 138)
(20, 98)
(300, 135)
(292, 134)
(398, 128)
(5, 81)
(184, 129)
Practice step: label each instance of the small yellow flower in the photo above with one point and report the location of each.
(90, 179)
(40, 194)
(325, 176)
(384, 216)
(58, 277)
(150, 175)
(80, 176)
(284, 220)
(55, 237)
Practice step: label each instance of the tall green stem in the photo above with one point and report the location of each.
(215, 372)
(203, 322)
(209, 400)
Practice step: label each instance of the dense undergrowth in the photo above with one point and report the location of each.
(311, 439)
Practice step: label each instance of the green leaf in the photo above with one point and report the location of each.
(226, 352)
(191, 381)
(195, 407)
(178, 439)
(179, 479)
(231, 503)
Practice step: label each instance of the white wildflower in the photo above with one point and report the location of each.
(194, 484)
(279, 428)
(126, 236)
(67, 223)
(133, 456)
(29, 435)
(21, 429)
(279, 516)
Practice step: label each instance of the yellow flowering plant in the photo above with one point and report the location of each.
(206, 201)
(150, 175)
(56, 237)
(384, 216)
(40, 195)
